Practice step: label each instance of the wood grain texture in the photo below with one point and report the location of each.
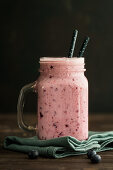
(10, 160)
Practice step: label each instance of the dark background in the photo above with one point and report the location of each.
(30, 29)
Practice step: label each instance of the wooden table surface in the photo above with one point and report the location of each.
(10, 160)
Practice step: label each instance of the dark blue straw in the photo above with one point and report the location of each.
(83, 47)
(72, 46)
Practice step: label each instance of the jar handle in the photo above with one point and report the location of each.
(20, 105)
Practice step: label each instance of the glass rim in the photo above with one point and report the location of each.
(77, 60)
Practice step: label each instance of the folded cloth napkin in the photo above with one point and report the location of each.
(63, 146)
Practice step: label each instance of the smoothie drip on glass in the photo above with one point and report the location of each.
(62, 98)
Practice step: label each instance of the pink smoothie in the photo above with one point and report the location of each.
(62, 98)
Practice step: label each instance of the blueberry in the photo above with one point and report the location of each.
(90, 153)
(33, 154)
(95, 158)
(41, 115)
(51, 67)
(66, 125)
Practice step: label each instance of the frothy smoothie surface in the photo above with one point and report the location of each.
(62, 98)
(63, 59)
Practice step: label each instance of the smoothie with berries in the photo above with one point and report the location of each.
(62, 98)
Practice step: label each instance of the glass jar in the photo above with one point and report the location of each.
(62, 103)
